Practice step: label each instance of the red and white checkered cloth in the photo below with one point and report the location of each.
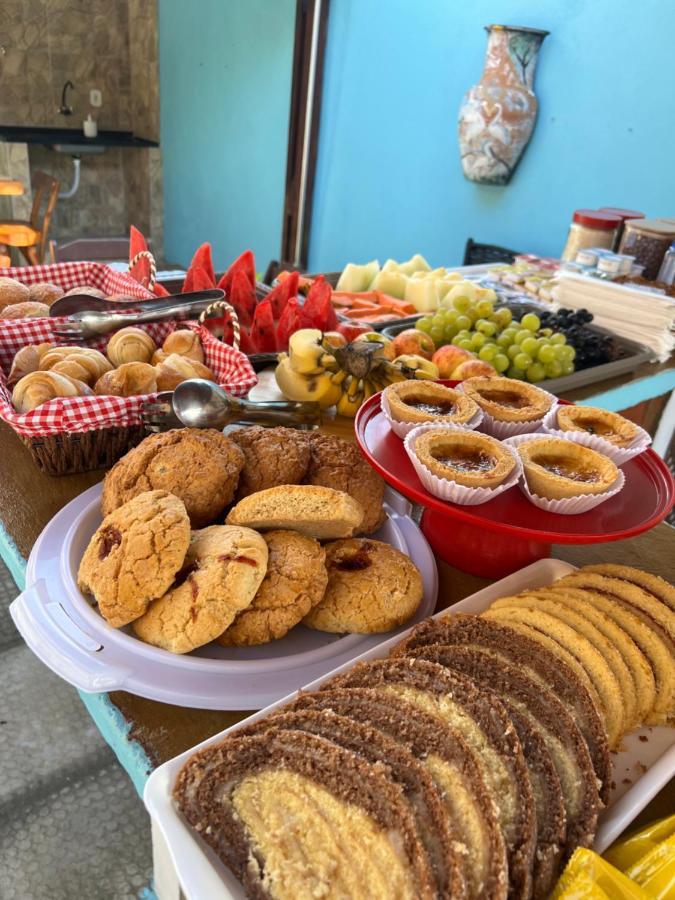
(70, 415)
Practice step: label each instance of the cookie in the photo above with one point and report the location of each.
(338, 464)
(134, 555)
(318, 512)
(371, 588)
(201, 466)
(273, 456)
(295, 582)
(223, 569)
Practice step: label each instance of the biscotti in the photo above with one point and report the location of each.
(318, 512)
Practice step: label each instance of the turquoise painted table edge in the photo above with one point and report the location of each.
(106, 716)
(108, 719)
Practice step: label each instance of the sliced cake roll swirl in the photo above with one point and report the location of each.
(597, 654)
(486, 728)
(638, 664)
(435, 828)
(294, 815)
(452, 765)
(537, 661)
(655, 585)
(563, 739)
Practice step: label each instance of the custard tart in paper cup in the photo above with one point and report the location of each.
(459, 466)
(601, 430)
(509, 406)
(407, 404)
(563, 476)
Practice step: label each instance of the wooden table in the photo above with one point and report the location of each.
(144, 733)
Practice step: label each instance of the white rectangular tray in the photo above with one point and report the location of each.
(640, 770)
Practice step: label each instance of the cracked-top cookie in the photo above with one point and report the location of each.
(134, 555)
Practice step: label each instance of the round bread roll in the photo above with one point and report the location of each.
(294, 583)
(86, 289)
(26, 360)
(185, 343)
(37, 388)
(371, 588)
(175, 369)
(128, 380)
(12, 291)
(130, 345)
(27, 310)
(45, 292)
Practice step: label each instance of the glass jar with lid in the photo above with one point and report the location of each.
(625, 215)
(647, 240)
(590, 228)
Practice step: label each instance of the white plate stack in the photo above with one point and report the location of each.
(629, 311)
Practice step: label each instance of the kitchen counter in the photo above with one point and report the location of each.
(21, 134)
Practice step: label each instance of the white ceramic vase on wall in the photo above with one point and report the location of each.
(497, 115)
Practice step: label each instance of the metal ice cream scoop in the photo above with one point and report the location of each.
(199, 403)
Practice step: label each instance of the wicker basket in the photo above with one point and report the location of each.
(68, 454)
(73, 441)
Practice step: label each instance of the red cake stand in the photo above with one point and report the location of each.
(500, 537)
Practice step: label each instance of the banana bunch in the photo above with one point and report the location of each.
(318, 368)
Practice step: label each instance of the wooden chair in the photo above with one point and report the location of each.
(31, 237)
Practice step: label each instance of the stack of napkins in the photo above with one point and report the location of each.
(631, 312)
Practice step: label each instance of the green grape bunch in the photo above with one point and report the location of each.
(519, 349)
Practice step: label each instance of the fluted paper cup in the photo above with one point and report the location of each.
(448, 490)
(404, 428)
(503, 430)
(567, 506)
(618, 455)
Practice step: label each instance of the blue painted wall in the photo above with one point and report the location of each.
(389, 180)
(225, 81)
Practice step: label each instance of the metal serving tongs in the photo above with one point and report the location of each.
(92, 323)
(198, 403)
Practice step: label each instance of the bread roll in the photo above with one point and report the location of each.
(37, 388)
(28, 310)
(12, 291)
(86, 289)
(26, 360)
(45, 293)
(56, 354)
(175, 369)
(128, 380)
(185, 343)
(158, 356)
(84, 365)
(130, 345)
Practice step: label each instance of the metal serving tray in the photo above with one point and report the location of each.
(634, 354)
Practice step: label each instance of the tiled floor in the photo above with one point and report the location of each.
(71, 824)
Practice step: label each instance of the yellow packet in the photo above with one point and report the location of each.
(581, 887)
(655, 872)
(591, 868)
(624, 853)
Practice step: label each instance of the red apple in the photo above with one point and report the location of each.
(472, 368)
(447, 359)
(412, 342)
(334, 339)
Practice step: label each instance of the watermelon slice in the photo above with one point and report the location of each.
(288, 323)
(317, 311)
(201, 260)
(242, 296)
(245, 264)
(263, 336)
(279, 295)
